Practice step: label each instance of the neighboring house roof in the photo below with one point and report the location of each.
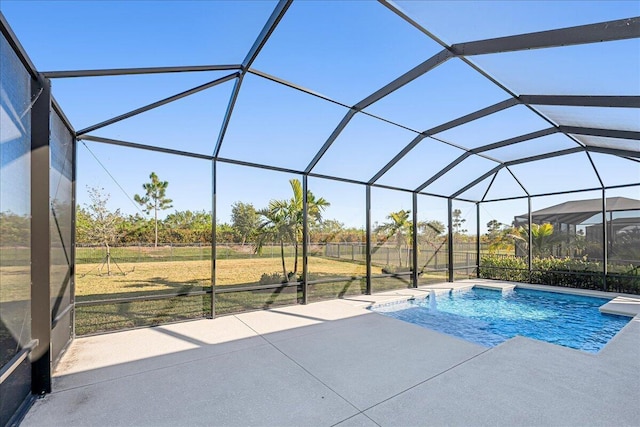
(578, 211)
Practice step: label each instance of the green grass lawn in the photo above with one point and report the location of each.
(15, 283)
(150, 278)
(157, 278)
(109, 317)
(96, 254)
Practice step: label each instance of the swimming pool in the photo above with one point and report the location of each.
(490, 317)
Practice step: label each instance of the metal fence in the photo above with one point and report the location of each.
(386, 255)
(86, 254)
(144, 252)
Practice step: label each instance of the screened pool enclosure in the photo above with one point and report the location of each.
(164, 161)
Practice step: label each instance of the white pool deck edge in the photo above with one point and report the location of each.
(337, 363)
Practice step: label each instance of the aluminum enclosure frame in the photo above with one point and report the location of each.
(575, 35)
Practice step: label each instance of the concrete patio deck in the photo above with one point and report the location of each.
(336, 363)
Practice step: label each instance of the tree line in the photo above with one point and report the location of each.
(279, 222)
(195, 227)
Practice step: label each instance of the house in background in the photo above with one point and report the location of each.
(581, 222)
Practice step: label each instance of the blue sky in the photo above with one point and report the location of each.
(344, 50)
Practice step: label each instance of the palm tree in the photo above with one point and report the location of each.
(315, 207)
(282, 221)
(625, 243)
(275, 226)
(543, 238)
(400, 228)
(430, 234)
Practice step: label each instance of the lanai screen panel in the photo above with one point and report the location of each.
(505, 124)
(464, 227)
(332, 48)
(433, 239)
(99, 35)
(15, 239)
(532, 147)
(458, 22)
(146, 283)
(422, 162)
(562, 173)
(615, 170)
(478, 191)
(593, 117)
(190, 124)
(505, 185)
(504, 241)
(623, 239)
(363, 148)
(267, 248)
(276, 125)
(607, 142)
(461, 175)
(566, 236)
(61, 234)
(449, 91)
(391, 248)
(607, 68)
(337, 236)
(88, 101)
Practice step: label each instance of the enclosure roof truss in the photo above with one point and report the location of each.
(602, 32)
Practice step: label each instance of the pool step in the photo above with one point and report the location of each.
(624, 306)
(445, 288)
(442, 288)
(498, 286)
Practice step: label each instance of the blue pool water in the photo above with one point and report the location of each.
(489, 317)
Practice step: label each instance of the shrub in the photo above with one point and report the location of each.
(393, 269)
(566, 272)
(271, 279)
(624, 279)
(504, 268)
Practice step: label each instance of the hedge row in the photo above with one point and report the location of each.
(565, 272)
